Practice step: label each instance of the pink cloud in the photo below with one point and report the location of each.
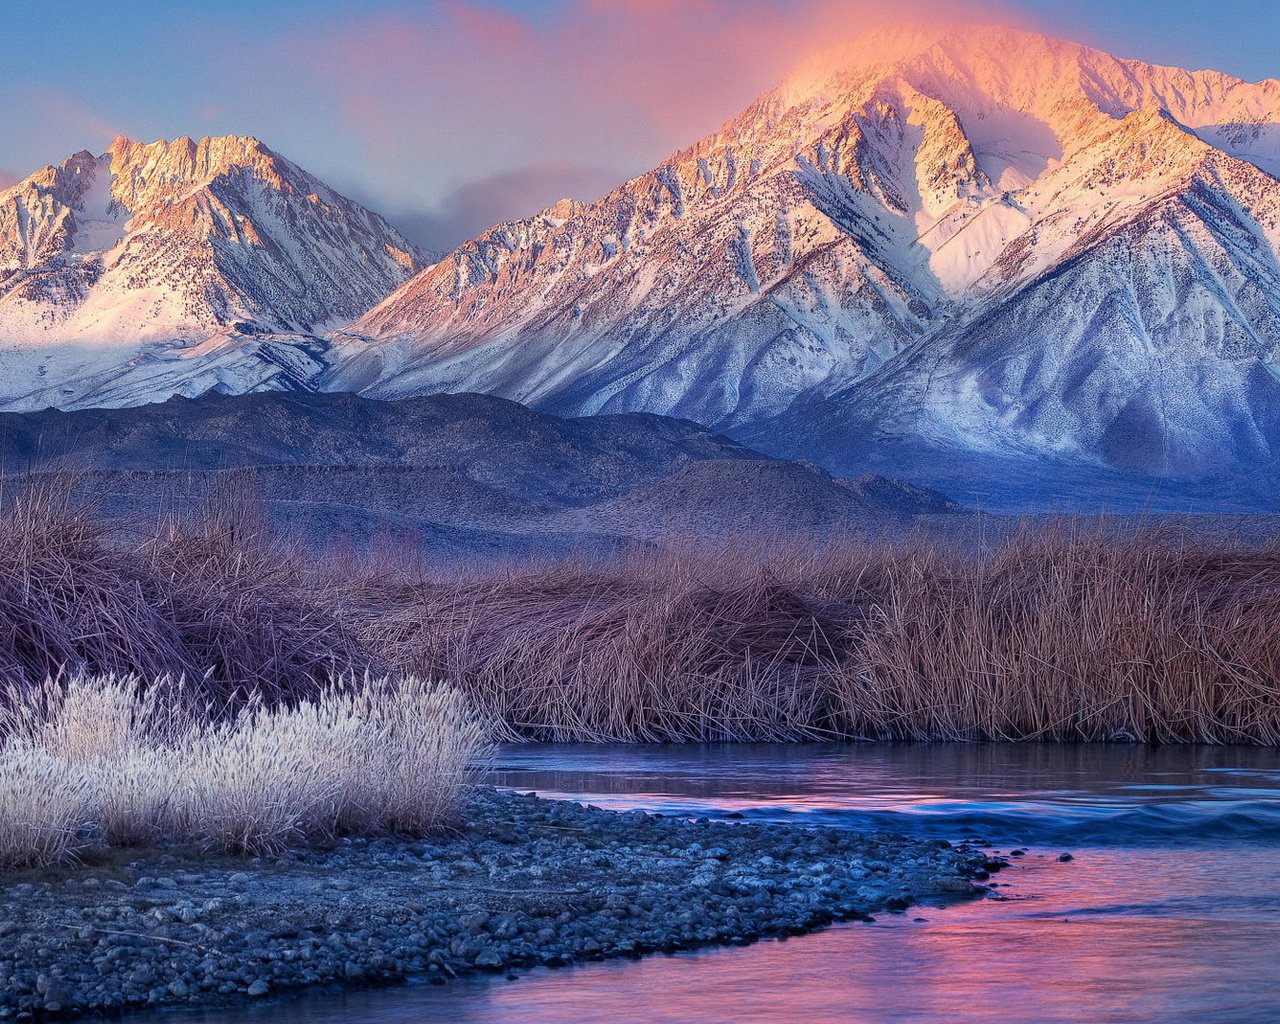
(601, 78)
(61, 125)
(492, 26)
(70, 114)
(460, 91)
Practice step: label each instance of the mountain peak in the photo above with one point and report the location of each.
(1024, 69)
(972, 50)
(242, 143)
(153, 249)
(193, 160)
(870, 225)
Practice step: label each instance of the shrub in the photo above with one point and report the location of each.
(213, 602)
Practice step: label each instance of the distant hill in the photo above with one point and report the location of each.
(458, 475)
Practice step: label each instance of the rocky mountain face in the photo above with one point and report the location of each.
(180, 267)
(934, 245)
(983, 239)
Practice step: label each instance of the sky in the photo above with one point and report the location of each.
(448, 116)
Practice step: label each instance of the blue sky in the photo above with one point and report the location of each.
(447, 115)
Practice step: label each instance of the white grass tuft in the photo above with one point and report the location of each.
(45, 806)
(113, 756)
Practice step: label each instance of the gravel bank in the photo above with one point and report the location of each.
(530, 882)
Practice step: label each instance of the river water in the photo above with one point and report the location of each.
(1169, 909)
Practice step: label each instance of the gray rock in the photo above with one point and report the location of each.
(593, 884)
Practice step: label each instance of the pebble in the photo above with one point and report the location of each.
(527, 882)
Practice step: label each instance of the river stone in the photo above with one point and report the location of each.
(574, 884)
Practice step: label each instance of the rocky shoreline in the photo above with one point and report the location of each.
(529, 882)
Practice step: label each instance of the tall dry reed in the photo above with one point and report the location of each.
(1069, 637)
(214, 601)
(1069, 633)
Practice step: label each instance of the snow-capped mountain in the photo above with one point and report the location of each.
(976, 240)
(986, 238)
(180, 267)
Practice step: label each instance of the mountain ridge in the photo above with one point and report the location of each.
(163, 250)
(892, 203)
(981, 239)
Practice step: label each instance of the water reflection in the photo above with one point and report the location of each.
(1005, 793)
(1148, 922)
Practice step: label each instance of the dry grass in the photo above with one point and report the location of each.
(1062, 634)
(384, 756)
(1069, 637)
(214, 601)
(1065, 633)
(625, 652)
(44, 806)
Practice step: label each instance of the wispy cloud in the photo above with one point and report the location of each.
(622, 75)
(474, 206)
(460, 113)
(64, 126)
(65, 114)
(411, 102)
(449, 103)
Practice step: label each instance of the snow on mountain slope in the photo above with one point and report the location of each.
(155, 269)
(1003, 240)
(980, 239)
(1139, 330)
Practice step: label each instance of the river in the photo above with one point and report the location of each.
(1167, 910)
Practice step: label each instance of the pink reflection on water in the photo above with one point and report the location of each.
(1162, 916)
(1098, 939)
(1123, 936)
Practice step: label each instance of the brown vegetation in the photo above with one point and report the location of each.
(1060, 634)
(1075, 632)
(213, 600)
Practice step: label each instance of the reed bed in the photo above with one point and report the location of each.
(213, 600)
(1076, 631)
(109, 760)
(623, 653)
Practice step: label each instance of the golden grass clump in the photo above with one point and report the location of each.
(1063, 634)
(389, 756)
